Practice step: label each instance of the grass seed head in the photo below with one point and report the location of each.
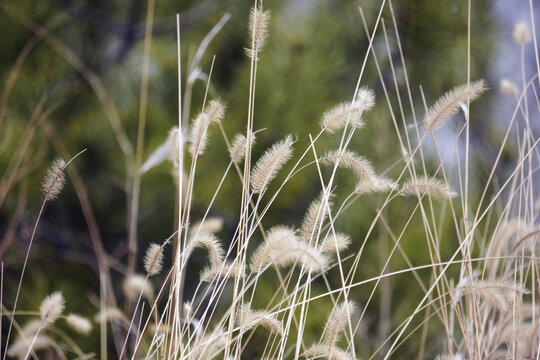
(51, 308)
(153, 260)
(449, 104)
(269, 164)
(54, 181)
(522, 33)
(79, 323)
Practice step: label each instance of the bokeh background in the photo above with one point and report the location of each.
(311, 62)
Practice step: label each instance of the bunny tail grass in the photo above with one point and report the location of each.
(448, 104)
(428, 186)
(270, 163)
(51, 308)
(248, 319)
(54, 181)
(153, 260)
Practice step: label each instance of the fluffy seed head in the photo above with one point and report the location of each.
(428, 186)
(209, 345)
(54, 181)
(174, 139)
(449, 357)
(340, 240)
(153, 260)
(505, 236)
(249, 319)
(258, 30)
(522, 33)
(301, 253)
(315, 215)
(20, 348)
(226, 270)
(210, 225)
(238, 148)
(348, 159)
(323, 351)
(509, 88)
(341, 114)
(211, 243)
(198, 134)
(530, 238)
(215, 110)
(282, 248)
(51, 307)
(448, 105)
(137, 284)
(187, 310)
(499, 294)
(270, 163)
(278, 239)
(336, 322)
(348, 113)
(79, 323)
(110, 314)
(375, 184)
(365, 98)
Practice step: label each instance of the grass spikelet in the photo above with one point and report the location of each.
(522, 33)
(319, 351)
(505, 235)
(215, 110)
(79, 323)
(211, 243)
(376, 184)
(153, 260)
(336, 117)
(509, 88)
(51, 308)
(210, 225)
(198, 135)
(312, 259)
(269, 164)
(282, 248)
(427, 186)
(336, 322)
(527, 336)
(365, 98)
(21, 347)
(348, 159)
(528, 238)
(228, 269)
(448, 357)
(210, 345)
(238, 148)
(110, 314)
(174, 140)
(249, 319)
(448, 104)
(54, 181)
(328, 246)
(258, 30)
(278, 239)
(137, 284)
(500, 294)
(315, 216)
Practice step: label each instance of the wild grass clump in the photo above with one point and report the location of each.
(243, 286)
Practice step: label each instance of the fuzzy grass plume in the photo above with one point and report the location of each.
(269, 164)
(448, 105)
